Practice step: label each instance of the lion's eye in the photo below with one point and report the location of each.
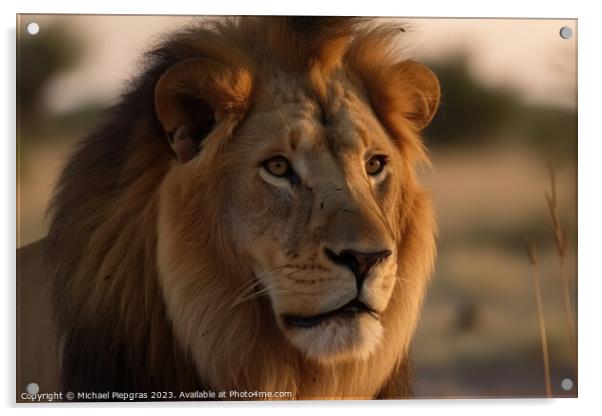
(375, 165)
(278, 166)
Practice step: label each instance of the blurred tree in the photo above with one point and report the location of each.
(552, 129)
(40, 58)
(469, 110)
(473, 113)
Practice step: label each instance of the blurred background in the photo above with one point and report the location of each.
(508, 113)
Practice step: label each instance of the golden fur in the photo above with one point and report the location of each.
(175, 272)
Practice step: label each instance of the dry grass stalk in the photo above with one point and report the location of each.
(533, 258)
(561, 248)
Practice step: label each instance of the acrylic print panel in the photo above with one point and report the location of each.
(244, 208)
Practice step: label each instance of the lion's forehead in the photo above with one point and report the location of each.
(341, 123)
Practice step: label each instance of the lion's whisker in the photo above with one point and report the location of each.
(251, 284)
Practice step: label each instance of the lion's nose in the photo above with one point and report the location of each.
(359, 263)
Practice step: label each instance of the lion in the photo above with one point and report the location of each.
(249, 218)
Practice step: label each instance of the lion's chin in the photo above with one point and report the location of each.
(338, 339)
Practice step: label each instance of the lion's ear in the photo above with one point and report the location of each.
(420, 91)
(195, 94)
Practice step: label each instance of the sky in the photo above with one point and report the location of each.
(525, 54)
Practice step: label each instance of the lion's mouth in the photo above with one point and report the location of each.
(349, 310)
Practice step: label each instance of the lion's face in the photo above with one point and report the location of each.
(293, 206)
(313, 205)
